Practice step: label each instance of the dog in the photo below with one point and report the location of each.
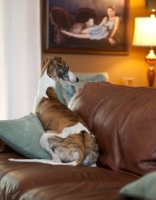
(67, 138)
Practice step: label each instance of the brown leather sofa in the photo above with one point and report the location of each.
(123, 121)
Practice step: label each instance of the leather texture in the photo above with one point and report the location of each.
(123, 119)
(36, 181)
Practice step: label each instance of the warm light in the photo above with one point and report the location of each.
(145, 35)
(151, 55)
(151, 58)
(145, 31)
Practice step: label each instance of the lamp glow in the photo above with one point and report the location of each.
(145, 36)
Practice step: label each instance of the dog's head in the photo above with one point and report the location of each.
(58, 69)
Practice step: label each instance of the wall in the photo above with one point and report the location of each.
(132, 65)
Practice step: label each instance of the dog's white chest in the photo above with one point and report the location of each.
(44, 82)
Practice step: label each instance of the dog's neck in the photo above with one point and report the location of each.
(44, 82)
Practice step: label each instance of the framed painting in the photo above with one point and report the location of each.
(86, 27)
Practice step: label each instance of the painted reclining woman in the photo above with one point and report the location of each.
(106, 29)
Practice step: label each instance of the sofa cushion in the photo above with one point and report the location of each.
(97, 78)
(23, 136)
(123, 119)
(143, 188)
(86, 190)
(37, 181)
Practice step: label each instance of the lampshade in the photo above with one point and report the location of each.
(145, 31)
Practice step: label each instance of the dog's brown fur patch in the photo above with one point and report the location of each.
(83, 144)
(55, 116)
(63, 117)
(48, 64)
(66, 148)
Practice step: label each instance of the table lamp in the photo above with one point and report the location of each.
(145, 36)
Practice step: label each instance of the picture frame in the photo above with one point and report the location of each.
(62, 17)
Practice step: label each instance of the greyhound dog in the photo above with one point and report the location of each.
(67, 138)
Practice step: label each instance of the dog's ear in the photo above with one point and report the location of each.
(55, 63)
(65, 64)
(46, 60)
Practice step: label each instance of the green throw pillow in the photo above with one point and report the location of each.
(23, 135)
(144, 188)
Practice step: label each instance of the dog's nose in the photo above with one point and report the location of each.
(77, 79)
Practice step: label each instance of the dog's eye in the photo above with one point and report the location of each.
(66, 70)
(60, 71)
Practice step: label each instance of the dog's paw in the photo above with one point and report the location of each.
(56, 159)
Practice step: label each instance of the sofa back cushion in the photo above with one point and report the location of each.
(123, 119)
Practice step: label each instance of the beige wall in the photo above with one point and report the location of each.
(117, 66)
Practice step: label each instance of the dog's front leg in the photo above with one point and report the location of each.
(54, 156)
(45, 145)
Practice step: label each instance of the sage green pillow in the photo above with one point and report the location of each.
(69, 90)
(23, 135)
(144, 188)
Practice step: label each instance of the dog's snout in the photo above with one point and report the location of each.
(77, 79)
